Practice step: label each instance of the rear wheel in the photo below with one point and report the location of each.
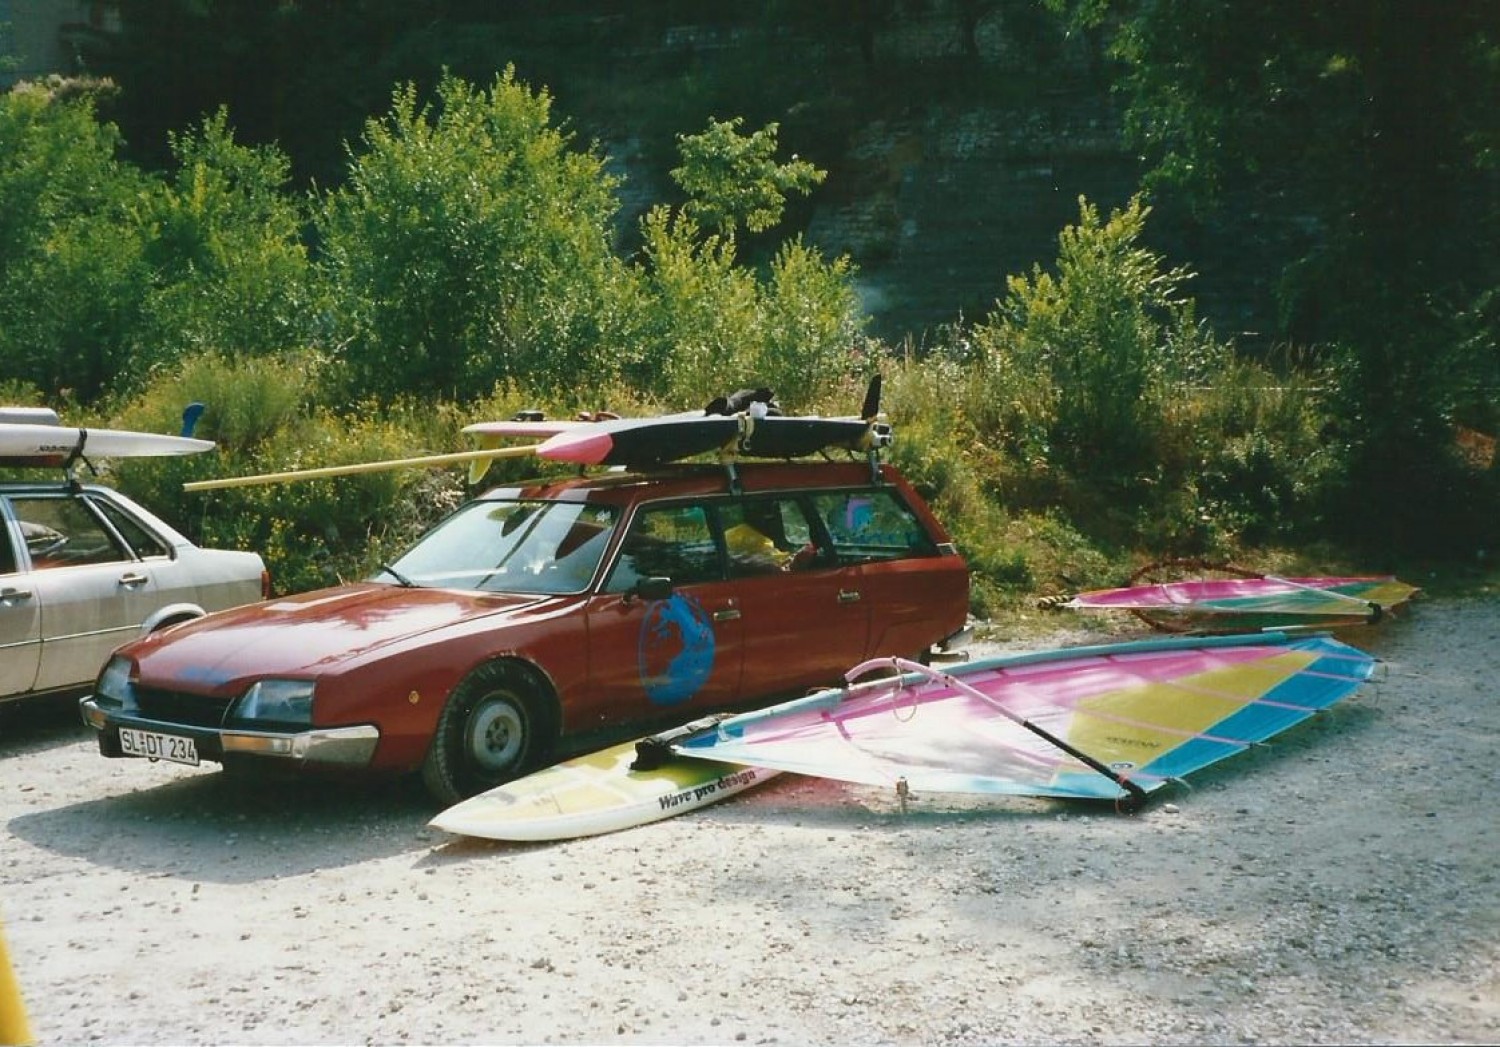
(492, 729)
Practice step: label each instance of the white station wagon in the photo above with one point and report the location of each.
(83, 569)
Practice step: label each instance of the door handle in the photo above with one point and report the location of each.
(848, 596)
(133, 580)
(10, 594)
(728, 614)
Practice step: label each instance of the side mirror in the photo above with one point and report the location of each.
(653, 588)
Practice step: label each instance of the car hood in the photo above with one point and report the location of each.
(308, 635)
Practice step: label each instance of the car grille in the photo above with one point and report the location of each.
(194, 710)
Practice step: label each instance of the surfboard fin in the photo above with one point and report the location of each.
(190, 415)
(479, 466)
(871, 409)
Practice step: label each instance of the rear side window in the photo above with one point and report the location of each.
(872, 525)
(766, 536)
(141, 540)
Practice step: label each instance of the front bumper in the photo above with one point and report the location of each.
(315, 746)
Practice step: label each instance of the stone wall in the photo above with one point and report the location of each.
(958, 156)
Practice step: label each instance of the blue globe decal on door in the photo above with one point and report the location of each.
(676, 650)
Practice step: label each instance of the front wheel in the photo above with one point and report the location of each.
(487, 734)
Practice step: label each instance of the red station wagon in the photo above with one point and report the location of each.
(536, 615)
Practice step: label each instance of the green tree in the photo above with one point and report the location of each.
(813, 323)
(1082, 361)
(470, 245)
(733, 180)
(708, 322)
(708, 325)
(1367, 127)
(71, 273)
(223, 245)
(698, 310)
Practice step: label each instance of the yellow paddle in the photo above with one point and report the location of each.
(360, 467)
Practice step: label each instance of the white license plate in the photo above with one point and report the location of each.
(156, 746)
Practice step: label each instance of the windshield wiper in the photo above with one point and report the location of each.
(401, 579)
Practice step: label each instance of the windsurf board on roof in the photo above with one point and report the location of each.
(651, 441)
(747, 423)
(40, 442)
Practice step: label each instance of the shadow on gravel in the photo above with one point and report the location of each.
(226, 828)
(35, 724)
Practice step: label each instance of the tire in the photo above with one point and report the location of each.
(491, 729)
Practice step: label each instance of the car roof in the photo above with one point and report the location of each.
(687, 480)
(52, 487)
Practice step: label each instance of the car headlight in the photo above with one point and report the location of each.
(284, 701)
(115, 686)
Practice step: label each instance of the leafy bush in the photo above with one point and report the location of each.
(71, 272)
(698, 311)
(222, 243)
(470, 245)
(1250, 445)
(709, 326)
(733, 180)
(245, 400)
(1084, 360)
(810, 325)
(310, 532)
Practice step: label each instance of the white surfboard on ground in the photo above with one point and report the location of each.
(595, 794)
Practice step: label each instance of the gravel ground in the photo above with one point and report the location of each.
(1338, 887)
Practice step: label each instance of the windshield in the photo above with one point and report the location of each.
(509, 547)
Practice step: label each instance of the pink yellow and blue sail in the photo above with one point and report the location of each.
(1263, 602)
(1114, 722)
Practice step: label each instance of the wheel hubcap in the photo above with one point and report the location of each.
(495, 734)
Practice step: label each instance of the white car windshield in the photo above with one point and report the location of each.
(509, 547)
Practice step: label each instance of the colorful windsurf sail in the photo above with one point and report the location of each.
(1114, 722)
(1259, 602)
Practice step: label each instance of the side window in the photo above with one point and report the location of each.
(872, 525)
(9, 562)
(667, 541)
(141, 540)
(765, 536)
(61, 532)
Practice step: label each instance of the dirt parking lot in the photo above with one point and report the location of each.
(1338, 887)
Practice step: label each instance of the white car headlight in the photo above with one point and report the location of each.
(284, 701)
